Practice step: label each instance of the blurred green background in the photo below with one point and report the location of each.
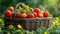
(53, 6)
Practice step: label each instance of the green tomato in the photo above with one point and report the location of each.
(20, 8)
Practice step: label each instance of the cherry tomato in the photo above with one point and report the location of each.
(46, 14)
(23, 11)
(17, 15)
(35, 14)
(30, 16)
(37, 10)
(40, 15)
(11, 9)
(23, 15)
(8, 13)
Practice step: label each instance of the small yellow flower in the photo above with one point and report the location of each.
(10, 26)
(56, 21)
(53, 23)
(46, 32)
(57, 18)
(19, 26)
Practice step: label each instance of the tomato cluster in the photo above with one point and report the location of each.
(26, 12)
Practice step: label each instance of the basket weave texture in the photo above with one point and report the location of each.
(29, 23)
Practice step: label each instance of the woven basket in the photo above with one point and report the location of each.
(33, 24)
(29, 23)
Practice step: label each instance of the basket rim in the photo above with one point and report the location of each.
(35, 18)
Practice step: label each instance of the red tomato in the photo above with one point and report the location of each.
(35, 14)
(30, 16)
(37, 10)
(8, 13)
(23, 15)
(17, 15)
(46, 14)
(40, 15)
(23, 11)
(11, 9)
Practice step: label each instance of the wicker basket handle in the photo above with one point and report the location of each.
(17, 6)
